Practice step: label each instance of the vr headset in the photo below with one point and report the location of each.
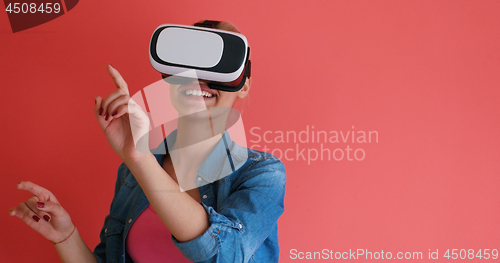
(218, 57)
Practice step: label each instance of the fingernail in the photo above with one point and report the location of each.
(113, 114)
(18, 183)
(95, 100)
(10, 212)
(36, 218)
(100, 112)
(40, 204)
(46, 217)
(110, 65)
(106, 118)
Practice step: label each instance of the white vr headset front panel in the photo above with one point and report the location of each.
(201, 48)
(188, 47)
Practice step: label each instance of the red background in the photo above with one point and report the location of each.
(424, 74)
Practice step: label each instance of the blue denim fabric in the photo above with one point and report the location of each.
(243, 207)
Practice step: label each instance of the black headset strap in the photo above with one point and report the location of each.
(247, 69)
(208, 23)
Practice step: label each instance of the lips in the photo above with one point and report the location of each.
(202, 87)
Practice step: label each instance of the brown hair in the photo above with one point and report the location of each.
(224, 25)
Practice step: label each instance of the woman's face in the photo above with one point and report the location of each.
(197, 96)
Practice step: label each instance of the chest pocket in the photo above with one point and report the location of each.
(114, 226)
(128, 179)
(114, 235)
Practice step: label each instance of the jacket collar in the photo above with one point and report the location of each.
(217, 165)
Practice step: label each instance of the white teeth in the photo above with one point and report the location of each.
(198, 93)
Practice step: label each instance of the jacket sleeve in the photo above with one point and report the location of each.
(100, 249)
(245, 219)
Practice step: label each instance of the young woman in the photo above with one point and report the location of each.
(151, 219)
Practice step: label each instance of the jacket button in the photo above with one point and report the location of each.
(205, 196)
(130, 220)
(105, 230)
(199, 179)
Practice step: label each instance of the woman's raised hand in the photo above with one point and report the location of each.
(122, 120)
(43, 213)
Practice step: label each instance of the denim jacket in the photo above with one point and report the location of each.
(243, 207)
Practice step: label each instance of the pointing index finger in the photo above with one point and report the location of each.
(117, 79)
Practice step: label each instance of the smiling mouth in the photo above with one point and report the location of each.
(198, 93)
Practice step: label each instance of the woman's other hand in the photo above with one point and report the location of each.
(43, 213)
(123, 121)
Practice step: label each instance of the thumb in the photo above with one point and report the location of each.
(140, 126)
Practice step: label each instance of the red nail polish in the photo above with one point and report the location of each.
(100, 112)
(36, 218)
(46, 217)
(113, 114)
(106, 118)
(40, 204)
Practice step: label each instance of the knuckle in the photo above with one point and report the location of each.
(126, 98)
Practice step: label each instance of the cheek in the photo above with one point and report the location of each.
(174, 96)
(226, 99)
(173, 90)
